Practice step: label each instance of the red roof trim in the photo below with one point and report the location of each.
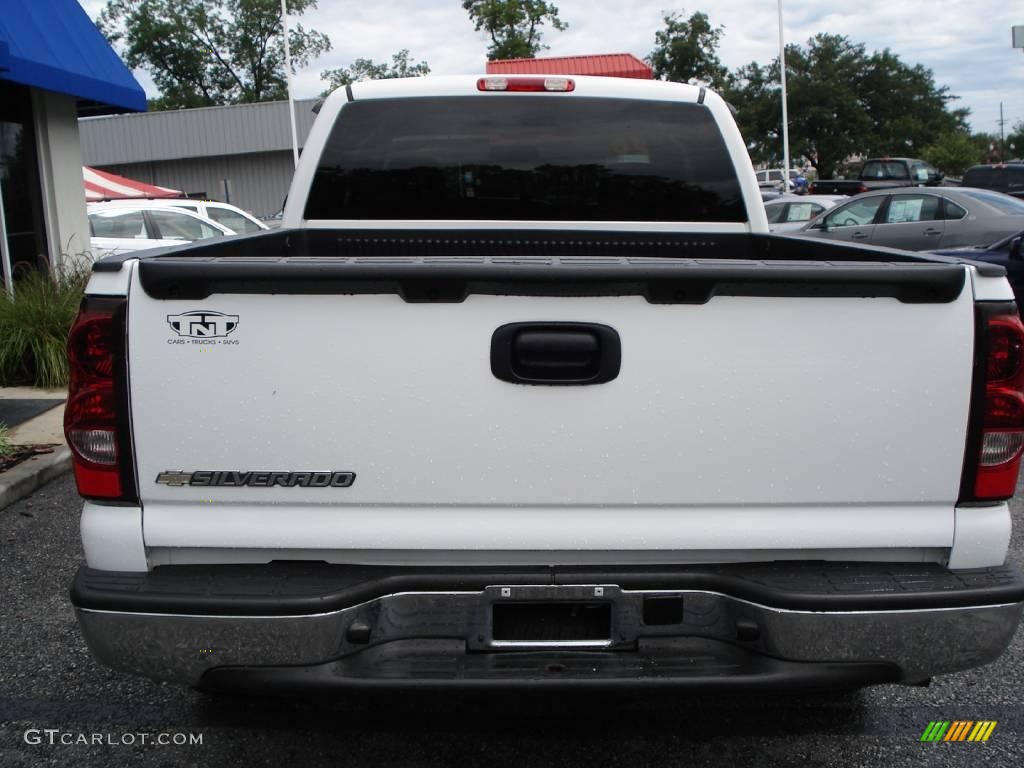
(601, 65)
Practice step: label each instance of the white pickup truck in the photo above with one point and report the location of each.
(524, 393)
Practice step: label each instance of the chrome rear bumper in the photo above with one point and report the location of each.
(446, 637)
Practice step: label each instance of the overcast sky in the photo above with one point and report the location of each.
(965, 42)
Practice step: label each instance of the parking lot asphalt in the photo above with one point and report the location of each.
(51, 690)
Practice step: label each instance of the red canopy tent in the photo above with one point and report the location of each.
(605, 65)
(101, 185)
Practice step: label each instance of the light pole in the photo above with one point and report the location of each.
(288, 81)
(785, 111)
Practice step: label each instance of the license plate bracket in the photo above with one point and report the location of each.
(560, 622)
(572, 617)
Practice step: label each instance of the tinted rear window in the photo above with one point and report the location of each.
(881, 169)
(525, 157)
(980, 177)
(1006, 179)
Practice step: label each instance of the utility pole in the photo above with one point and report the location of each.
(1002, 135)
(785, 111)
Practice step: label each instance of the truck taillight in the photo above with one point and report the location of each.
(94, 425)
(1000, 420)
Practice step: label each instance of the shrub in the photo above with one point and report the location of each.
(34, 325)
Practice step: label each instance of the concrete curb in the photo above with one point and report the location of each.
(22, 479)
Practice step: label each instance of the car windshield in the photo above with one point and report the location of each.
(526, 157)
(997, 200)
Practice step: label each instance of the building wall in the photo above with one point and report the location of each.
(178, 134)
(195, 150)
(60, 173)
(258, 182)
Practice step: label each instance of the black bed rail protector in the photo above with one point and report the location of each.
(451, 279)
(283, 588)
(483, 242)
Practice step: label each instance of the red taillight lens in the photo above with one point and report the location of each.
(524, 84)
(91, 423)
(1002, 435)
(1005, 348)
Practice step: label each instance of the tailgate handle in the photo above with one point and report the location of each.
(555, 353)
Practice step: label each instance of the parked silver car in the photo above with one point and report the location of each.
(919, 219)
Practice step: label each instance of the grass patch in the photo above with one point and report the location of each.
(6, 449)
(34, 326)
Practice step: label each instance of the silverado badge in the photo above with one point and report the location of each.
(232, 479)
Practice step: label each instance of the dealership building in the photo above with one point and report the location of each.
(239, 154)
(55, 67)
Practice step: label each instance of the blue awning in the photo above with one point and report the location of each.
(53, 45)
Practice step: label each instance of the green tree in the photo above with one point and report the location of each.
(828, 122)
(1015, 142)
(953, 153)
(514, 26)
(987, 146)
(210, 52)
(687, 49)
(908, 111)
(753, 91)
(842, 101)
(368, 69)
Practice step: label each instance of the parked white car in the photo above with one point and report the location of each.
(225, 214)
(789, 213)
(234, 218)
(119, 228)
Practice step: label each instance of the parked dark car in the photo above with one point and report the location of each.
(882, 173)
(1006, 252)
(922, 219)
(1007, 178)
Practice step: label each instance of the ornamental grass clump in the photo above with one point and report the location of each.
(34, 325)
(6, 449)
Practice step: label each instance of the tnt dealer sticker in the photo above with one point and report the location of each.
(203, 327)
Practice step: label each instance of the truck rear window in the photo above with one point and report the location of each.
(880, 169)
(528, 158)
(1002, 178)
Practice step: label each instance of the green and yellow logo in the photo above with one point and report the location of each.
(958, 730)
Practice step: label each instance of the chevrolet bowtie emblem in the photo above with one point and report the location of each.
(174, 478)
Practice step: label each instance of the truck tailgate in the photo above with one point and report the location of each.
(749, 421)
